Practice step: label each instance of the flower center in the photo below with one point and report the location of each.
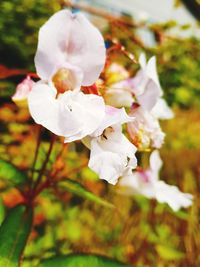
(64, 80)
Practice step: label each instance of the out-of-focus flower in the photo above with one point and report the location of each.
(111, 152)
(145, 85)
(70, 53)
(143, 89)
(145, 129)
(147, 183)
(23, 89)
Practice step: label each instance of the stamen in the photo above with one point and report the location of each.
(64, 80)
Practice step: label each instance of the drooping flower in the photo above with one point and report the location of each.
(147, 183)
(111, 152)
(23, 89)
(70, 53)
(145, 130)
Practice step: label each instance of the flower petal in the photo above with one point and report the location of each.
(155, 162)
(113, 116)
(107, 164)
(162, 111)
(70, 38)
(23, 89)
(71, 115)
(110, 153)
(172, 196)
(91, 113)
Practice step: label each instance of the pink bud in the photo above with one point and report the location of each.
(23, 89)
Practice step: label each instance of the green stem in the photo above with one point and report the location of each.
(43, 169)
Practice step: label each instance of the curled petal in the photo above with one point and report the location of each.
(110, 154)
(70, 38)
(66, 115)
(107, 164)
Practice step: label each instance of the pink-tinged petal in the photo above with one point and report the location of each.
(113, 116)
(134, 183)
(149, 97)
(86, 49)
(152, 73)
(70, 38)
(52, 44)
(172, 196)
(162, 111)
(23, 89)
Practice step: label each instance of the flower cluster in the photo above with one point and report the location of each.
(70, 57)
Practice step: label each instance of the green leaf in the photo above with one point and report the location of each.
(81, 260)
(77, 189)
(9, 172)
(14, 233)
(2, 211)
(168, 253)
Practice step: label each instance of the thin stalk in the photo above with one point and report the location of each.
(44, 165)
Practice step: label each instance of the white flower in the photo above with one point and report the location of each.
(144, 88)
(72, 114)
(111, 152)
(147, 183)
(70, 53)
(145, 130)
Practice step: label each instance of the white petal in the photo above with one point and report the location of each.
(110, 153)
(108, 165)
(172, 196)
(152, 72)
(70, 38)
(162, 111)
(113, 116)
(142, 60)
(155, 162)
(71, 115)
(91, 111)
(119, 95)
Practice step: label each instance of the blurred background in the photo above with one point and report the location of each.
(140, 232)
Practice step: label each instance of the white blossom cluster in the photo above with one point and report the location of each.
(71, 54)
